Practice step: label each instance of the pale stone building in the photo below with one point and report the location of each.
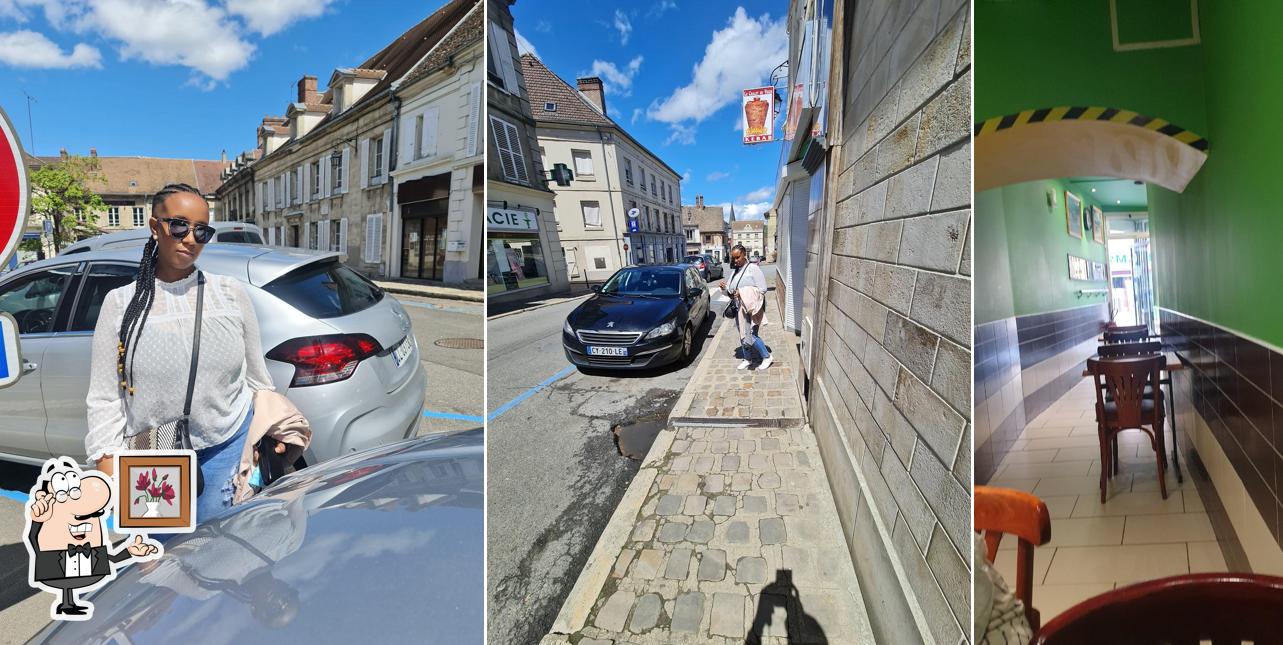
(712, 227)
(615, 178)
(749, 233)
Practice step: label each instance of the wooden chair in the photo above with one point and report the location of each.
(1121, 404)
(1130, 349)
(1181, 610)
(1113, 327)
(1136, 336)
(1001, 511)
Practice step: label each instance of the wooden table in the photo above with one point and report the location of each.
(1172, 363)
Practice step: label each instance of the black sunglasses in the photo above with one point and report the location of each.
(178, 229)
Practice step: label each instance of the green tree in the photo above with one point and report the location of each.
(61, 194)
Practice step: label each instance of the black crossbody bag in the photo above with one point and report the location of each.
(177, 434)
(733, 309)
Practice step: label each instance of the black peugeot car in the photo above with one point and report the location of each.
(643, 316)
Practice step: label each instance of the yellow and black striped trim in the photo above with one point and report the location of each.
(1114, 115)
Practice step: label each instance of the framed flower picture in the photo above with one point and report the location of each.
(1097, 225)
(156, 490)
(1074, 214)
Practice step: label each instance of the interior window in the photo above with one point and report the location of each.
(100, 279)
(33, 300)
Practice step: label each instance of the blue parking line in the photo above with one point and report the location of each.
(14, 495)
(531, 392)
(436, 307)
(452, 416)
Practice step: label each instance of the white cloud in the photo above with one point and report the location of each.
(637, 114)
(191, 34)
(678, 133)
(268, 18)
(659, 8)
(717, 175)
(739, 124)
(737, 57)
(618, 82)
(745, 211)
(686, 176)
(763, 194)
(59, 13)
(543, 26)
(623, 25)
(524, 46)
(31, 49)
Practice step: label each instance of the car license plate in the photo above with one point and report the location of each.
(608, 351)
(403, 350)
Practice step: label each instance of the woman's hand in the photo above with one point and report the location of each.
(722, 285)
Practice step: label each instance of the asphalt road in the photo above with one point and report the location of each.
(554, 473)
(454, 401)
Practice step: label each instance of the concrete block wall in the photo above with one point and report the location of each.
(892, 396)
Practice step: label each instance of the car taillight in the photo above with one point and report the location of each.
(325, 359)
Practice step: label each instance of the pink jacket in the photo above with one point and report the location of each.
(274, 416)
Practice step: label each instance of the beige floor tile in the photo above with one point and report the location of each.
(1177, 527)
(1148, 482)
(1061, 442)
(1130, 504)
(1006, 564)
(1051, 600)
(1116, 564)
(1206, 557)
(1087, 531)
(1193, 503)
(1078, 454)
(1060, 506)
(1029, 456)
(1045, 433)
(1044, 470)
(1084, 485)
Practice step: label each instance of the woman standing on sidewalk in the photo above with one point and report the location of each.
(747, 289)
(143, 346)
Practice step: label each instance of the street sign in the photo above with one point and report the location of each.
(15, 193)
(633, 213)
(15, 202)
(633, 226)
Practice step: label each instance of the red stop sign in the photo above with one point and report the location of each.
(15, 192)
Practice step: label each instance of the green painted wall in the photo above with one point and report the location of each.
(1015, 227)
(1046, 53)
(1219, 245)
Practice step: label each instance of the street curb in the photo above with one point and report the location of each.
(684, 401)
(579, 603)
(444, 294)
(539, 306)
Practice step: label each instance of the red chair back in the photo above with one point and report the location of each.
(1002, 511)
(1182, 610)
(1124, 380)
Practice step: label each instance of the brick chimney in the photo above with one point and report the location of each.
(93, 152)
(591, 88)
(307, 90)
(223, 157)
(699, 201)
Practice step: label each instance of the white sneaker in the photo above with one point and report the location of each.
(766, 363)
(743, 365)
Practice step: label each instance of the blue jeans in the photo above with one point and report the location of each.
(755, 343)
(218, 466)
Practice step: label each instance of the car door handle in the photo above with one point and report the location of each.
(29, 367)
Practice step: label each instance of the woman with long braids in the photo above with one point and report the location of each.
(142, 352)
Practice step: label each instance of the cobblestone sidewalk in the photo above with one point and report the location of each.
(719, 392)
(728, 535)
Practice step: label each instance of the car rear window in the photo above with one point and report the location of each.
(326, 290)
(240, 237)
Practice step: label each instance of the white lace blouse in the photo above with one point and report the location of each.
(230, 370)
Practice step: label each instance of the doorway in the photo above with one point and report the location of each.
(423, 239)
(1131, 270)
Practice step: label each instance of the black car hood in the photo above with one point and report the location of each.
(381, 545)
(628, 313)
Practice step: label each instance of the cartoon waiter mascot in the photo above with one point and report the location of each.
(65, 536)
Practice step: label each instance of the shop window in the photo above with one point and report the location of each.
(514, 262)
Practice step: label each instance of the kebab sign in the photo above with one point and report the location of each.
(759, 115)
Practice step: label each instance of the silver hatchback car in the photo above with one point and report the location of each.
(336, 345)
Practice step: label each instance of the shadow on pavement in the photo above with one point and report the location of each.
(800, 626)
(13, 578)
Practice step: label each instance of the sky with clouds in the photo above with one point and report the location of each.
(178, 78)
(673, 72)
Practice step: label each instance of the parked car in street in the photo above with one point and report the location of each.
(715, 269)
(641, 317)
(382, 546)
(701, 264)
(226, 232)
(335, 344)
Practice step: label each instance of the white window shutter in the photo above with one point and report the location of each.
(323, 237)
(325, 175)
(306, 189)
(387, 155)
(431, 117)
(366, 247)
(363, 151)
(271, 236)
(343, 236)
(474, 120)
(345, 170)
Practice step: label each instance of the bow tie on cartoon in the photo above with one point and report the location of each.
(83, 549)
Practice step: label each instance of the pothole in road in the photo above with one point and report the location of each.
(633, 439)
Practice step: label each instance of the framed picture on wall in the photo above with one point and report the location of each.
(1074, 214)
(1097, 225)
